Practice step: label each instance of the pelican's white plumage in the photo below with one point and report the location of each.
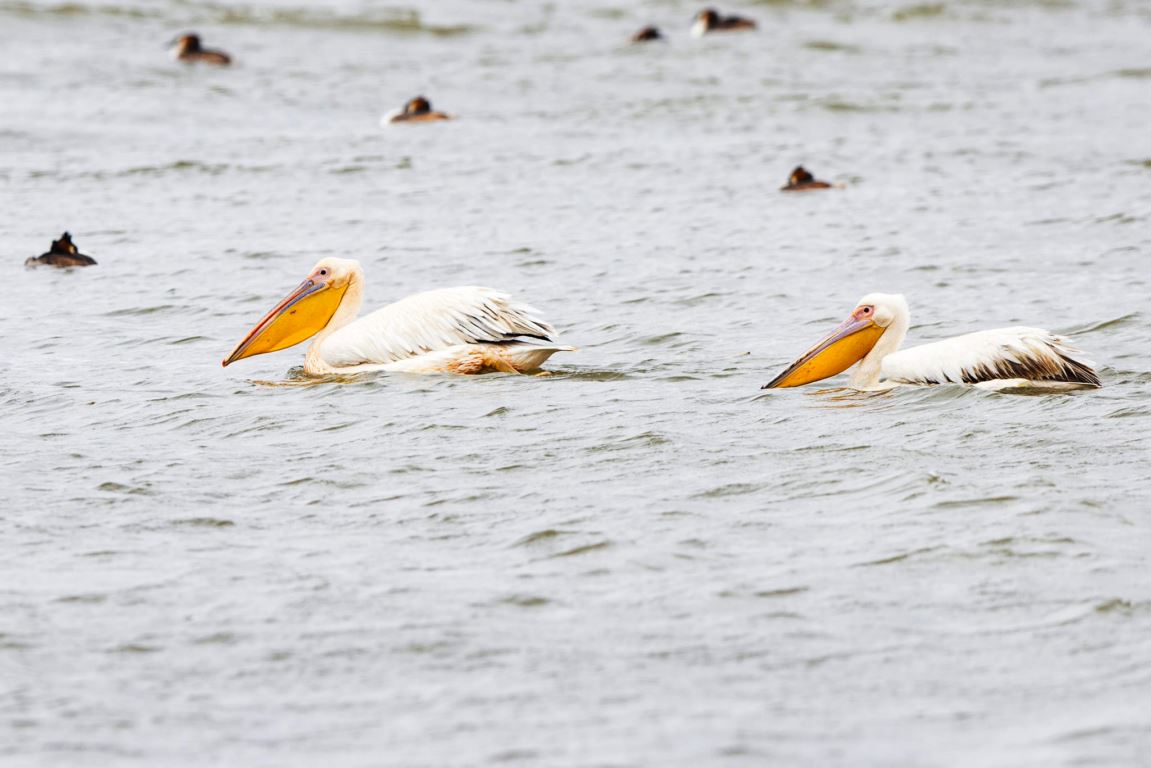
(434, 321)
(468, 329)
(1014, 355)
(1018, 357)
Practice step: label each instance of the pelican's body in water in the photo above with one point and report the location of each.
(450, 330)
(1005, 358)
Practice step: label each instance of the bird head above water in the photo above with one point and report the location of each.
(64, 245)
(800, 176)
(418, 106)
(189, 43)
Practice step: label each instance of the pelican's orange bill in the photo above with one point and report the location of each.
(835, 353)
(301, 315)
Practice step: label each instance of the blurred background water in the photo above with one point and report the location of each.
(642, 559)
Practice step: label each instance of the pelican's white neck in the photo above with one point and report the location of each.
(348, 310)
(866, 374)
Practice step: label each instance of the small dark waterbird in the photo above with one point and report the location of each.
(647, 34)
(417, 110)
(709, 20)
(188, 48)
(63, 253)
(802, 181)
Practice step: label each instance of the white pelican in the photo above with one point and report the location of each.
(450, 330)
(1005, 358)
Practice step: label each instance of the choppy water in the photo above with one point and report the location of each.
(641, 560)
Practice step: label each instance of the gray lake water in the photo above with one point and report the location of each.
(642, 559)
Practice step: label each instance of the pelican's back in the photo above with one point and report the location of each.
(431, 321)
(1029, 354)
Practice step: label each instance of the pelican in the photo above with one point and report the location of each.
(450, 330)
(1005, 358)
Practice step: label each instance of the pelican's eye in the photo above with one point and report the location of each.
(324, 272)
(866, 311)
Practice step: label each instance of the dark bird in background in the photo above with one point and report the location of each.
(801, 181)
(189, 49)
(709, 20)
(646, 34)
(63, 253)
(418, 110)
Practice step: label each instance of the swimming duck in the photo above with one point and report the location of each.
(418, 110)
(801, 181)
(646, 34)
(189, 49)
(709, 20)
(63, 253)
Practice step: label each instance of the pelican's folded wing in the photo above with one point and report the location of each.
(1004, 353)
(425, 322)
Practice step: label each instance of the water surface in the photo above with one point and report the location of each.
(641, 559)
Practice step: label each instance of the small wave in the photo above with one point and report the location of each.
(296, 378)
(134, 311)
(1141, 73)
(988, 501)
(202, 522)
(570, 375)
(135, 648)
(525, 601)
(110, 487)
(540, 537)
(836, 104)
(899, 558)
(781, 592)
(584, 549)
(395, 20)
(79, 9)
(919, 11)
(730, 489)
(828, 45)
(387, 20)
(1115, 322)
(1128, 413)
